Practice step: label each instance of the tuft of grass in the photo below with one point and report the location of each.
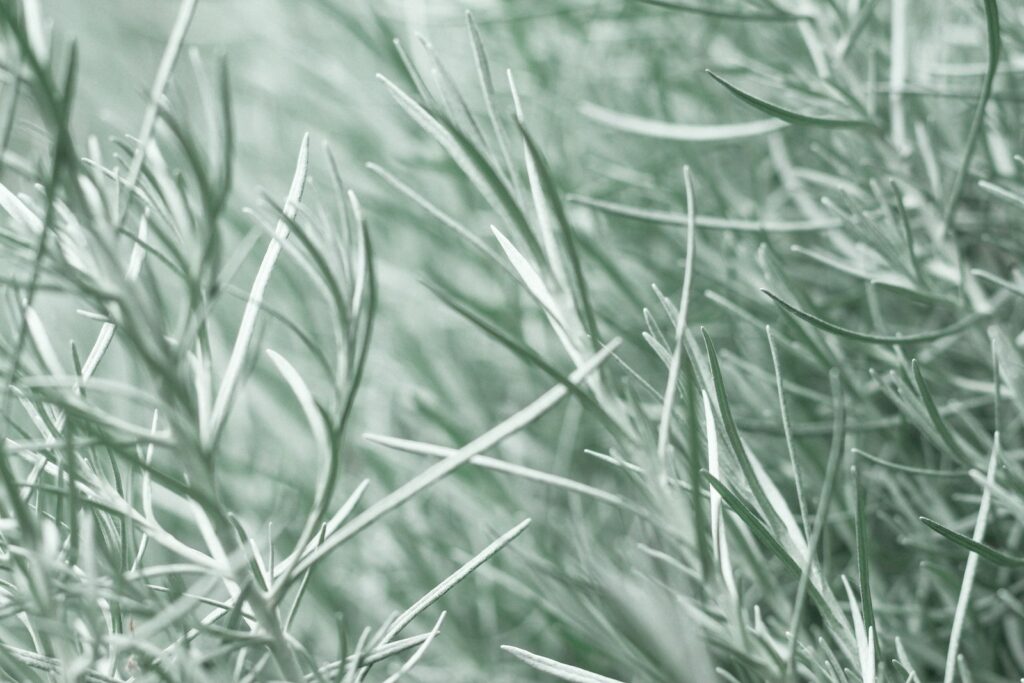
(749, 441)
(872, 293)
(129, 549)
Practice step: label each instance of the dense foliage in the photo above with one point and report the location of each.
(723, 297)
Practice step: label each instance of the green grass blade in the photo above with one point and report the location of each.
(431, 208)
(418, 653)
(966, 323)
(436, 472)
(529, 473)
(552, 201)
(788, 115)
(733, 434)
(933, 413)
(705, 222)
(787, 431)
(723, 13)
(682, 132)
(528, 355)
(557, 669)
(669, 395)
(483, 70)
(994, 43)
(983, 550)
(163, 75)
(864, 558)
(471, 162)
(836, 451)
(438, 591)
(247, 327)
(966, 586)
(898, 467)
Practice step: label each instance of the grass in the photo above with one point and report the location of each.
(702, 320)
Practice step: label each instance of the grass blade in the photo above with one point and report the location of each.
(669, 395)
(547, 198)
(820, 520)
(964, 324)
(733, 434)
(163, 74)
(933, 413)
(472, 163)
(787, 431)
(419, 448)
(788, 115)
(994, 47)
(418, 653)
(442, 469)
(664, 130)
(705, 222)
(722, 13)
(438, 591)
(864, 558)
(983, 550)
(247, 327)
(557, 669)
(972, 565)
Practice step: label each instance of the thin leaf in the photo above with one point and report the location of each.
(565, 672)
(963, 601)
(909, 469)
(832, 328)
(666, 130)
(247, 327)
(435, 593)
(472, 163)
(788, 115)
(705, 222)
(985, 551)
(550, 198)
(994, 43)
(669, 395)
(723, 13)
(933, 413)
(417, 447)
(436, 472)
(731, 431)
(864, 556)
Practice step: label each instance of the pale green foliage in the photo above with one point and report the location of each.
(737, 324)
